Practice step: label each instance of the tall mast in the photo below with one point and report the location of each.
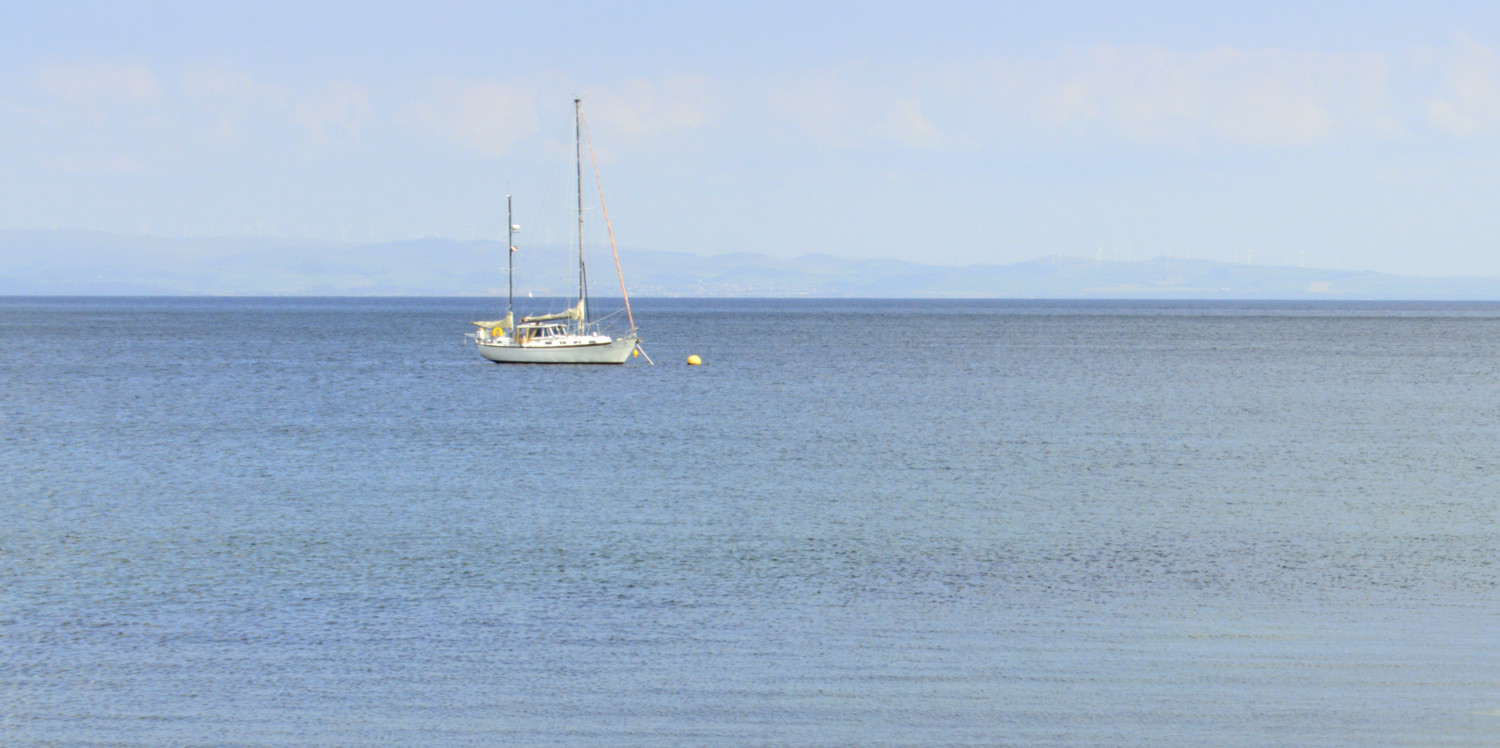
(603, 208)
(583, 278)
(510, 260)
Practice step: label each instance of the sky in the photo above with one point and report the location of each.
(1349, 135)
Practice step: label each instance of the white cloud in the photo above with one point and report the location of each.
(102, 84)
(86, 118)
(1257, 97)
(1467, 101)
(231, 97)
(224, 86)
(341, 108)
(75, 164)
(486, 117)
(855, 107)
(1134, 94)
(648, 108)
(904, 122)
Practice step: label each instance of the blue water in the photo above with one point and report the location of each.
(303, 522)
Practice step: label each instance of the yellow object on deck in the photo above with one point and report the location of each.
(693, 360)
(498, 332)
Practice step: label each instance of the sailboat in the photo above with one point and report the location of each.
(571, 336)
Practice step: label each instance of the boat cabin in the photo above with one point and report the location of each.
(540, 332)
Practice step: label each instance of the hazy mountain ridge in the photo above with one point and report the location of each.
(73, 262)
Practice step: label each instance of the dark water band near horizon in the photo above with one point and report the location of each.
(327, 522)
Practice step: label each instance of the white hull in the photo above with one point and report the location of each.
(612, 352)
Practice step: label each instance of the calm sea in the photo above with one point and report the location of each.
(304, 522)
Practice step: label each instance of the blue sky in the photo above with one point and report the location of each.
(1351, 135)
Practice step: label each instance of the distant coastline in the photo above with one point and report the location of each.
(47, 263)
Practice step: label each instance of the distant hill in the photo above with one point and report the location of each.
(88, 263)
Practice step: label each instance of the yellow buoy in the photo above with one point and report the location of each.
(498, 332)
(693, 360)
